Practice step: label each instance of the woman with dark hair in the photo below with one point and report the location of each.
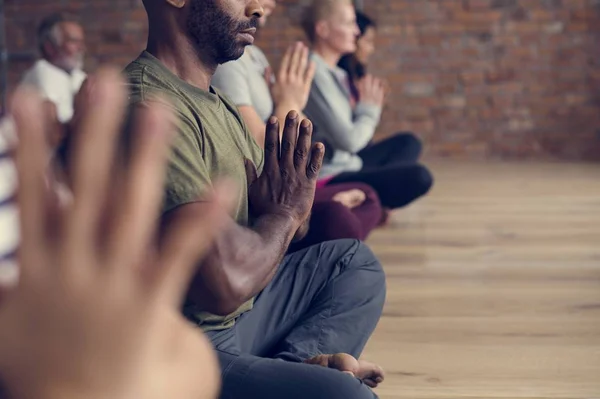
(355, 64)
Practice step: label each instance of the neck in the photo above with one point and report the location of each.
(181, 57)
(330, 56)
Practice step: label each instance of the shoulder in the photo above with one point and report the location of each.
(42, 72)
(147, 82)
(232, 69)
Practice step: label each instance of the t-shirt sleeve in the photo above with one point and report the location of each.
(232, 80)
(188, 179)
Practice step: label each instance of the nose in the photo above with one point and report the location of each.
(255, 9)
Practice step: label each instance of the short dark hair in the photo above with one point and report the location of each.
(47, 29)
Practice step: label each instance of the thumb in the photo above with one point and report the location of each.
(251, 173)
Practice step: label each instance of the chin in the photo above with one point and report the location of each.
(231, 55)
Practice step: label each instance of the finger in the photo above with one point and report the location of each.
(187, 240)
(251, 173)
(296, 61)
(272, 145)
(94, 148)
(142, 188)
(310, 73)
(289, 139)
(316, 161)
(285, 65)
(30, 158)
(302, 151)
(304, 62)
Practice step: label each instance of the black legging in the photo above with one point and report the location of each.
(391, 168)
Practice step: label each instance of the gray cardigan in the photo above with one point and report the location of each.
(345, 131)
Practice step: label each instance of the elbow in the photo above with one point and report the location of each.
(350, 146)
(226, 297)
(228, 301)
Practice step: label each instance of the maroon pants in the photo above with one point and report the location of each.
(331, 220)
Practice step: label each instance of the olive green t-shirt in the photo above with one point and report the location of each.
(212, 141)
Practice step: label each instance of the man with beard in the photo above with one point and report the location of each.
(58, 75)
(283, 326)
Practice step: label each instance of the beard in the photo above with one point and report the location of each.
(214, 32)
(71, 62)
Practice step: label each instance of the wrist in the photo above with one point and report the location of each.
(284, 107)
(287, 219)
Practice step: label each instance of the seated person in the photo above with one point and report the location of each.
(283, 326)
(345, 127)
(58, 74)
(340, 210)
(355, 64)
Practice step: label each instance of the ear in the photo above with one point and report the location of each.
(177, 3)
(322, 29)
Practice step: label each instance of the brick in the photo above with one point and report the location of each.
(474, 78)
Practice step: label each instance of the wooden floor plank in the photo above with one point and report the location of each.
(494, 285)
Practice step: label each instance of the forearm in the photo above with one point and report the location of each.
(241, 263)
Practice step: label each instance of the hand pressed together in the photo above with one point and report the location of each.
(288, 181)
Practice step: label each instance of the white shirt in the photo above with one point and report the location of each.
(56, 85)
(243, 81)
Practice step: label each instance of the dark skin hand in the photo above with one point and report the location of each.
(244, 260)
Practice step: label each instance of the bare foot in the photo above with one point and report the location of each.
(370, 373)
(351, 198)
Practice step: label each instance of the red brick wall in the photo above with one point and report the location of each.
(473, 78)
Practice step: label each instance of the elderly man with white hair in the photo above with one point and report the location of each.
(58, 75)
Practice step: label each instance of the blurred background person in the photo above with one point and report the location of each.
(356, 64)
(347, 127)
(349, 210)
(58, 74)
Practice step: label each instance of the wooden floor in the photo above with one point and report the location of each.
(494, 285)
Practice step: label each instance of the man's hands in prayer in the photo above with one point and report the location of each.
(287, 184)
(95, 313)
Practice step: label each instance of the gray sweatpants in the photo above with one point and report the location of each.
(325, 299)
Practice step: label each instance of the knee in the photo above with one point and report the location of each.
(372, 281)
(407, 140)
(336, 222)
(424, 179)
